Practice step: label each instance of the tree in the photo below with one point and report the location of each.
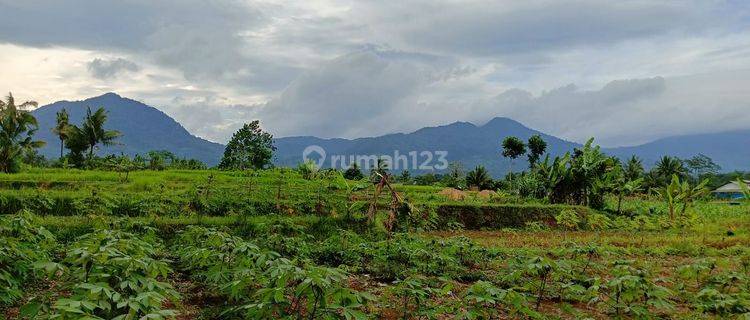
(249, 148)
(633, 168)
(479, 178)
(61, 128)
(455, 176)
(668, 166)
(93, 130)
(513, 148)
(701, 165)
(537, 147)
(17, 127)
(77, 144)
(405, 177)
(353, 173)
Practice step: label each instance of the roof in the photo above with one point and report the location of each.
(731, 187)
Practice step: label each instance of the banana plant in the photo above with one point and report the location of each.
(671, 195)
(745, 189)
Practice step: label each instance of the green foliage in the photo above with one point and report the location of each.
(22, 245)
(61, 128)
(537, 147)
(582, 178)
(568, 219)
(632, 291)
(479, 179)
(353, 173)
(111, 275)
(262, 283)
(513, 147)
(744, 188)
(17, 127)
(249, 148)
(676, 193)
(308, 170)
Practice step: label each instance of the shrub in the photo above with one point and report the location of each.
(568, 219)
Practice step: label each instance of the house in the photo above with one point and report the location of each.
(730, 190)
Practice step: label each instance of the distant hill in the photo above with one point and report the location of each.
(144, 129)
(731, 149)
(465, 142)
(474, 145)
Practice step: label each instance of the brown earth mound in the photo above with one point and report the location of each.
(486, 194)
(453, 194)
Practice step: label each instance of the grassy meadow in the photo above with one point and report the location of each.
(209, 244)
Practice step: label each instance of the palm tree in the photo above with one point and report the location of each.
(94, 132)
(17, 126)
(478, 178)
(61, 128)
(668, 166)
(633, 168)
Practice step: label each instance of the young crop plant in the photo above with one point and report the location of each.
(261, 284)
(568, 219)
(485, 301)
(112, 275)
(631, 291)
(22, 245)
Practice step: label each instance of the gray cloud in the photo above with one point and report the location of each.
(627, 112)
(488, 28)
(356, 94)
(104, 69)
(356, 68)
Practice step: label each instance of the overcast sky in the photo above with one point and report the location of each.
(625, 72)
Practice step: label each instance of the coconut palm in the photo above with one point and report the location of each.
(633, 168)
(668, 166)
(17, 126)
(478, 178)
(61, 128)
(94, 132)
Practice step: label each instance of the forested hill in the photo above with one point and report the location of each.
(144, 128)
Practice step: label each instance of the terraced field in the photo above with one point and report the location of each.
(272, 244)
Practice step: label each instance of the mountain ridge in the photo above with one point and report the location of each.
(146, 128)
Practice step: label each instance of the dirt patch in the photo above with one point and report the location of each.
(486, 194)
(453, 194)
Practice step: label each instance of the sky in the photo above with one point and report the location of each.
(625, 72)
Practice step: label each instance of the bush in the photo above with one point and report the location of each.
(475, 217)
(568, 219)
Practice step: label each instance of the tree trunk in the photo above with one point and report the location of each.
(619, 204)
(62, 147)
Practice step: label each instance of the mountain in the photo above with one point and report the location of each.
(474, 145)
(464, 142)
(730, 149)
(144, 128)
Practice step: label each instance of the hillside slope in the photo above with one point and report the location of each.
(144, 129)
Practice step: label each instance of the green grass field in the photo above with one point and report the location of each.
(270, 244)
